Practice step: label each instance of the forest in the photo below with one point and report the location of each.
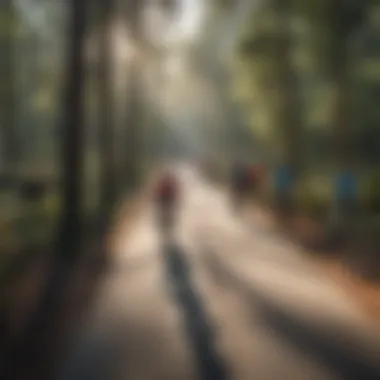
(90, 106)
(97, 96)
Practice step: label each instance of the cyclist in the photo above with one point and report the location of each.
(167, 198)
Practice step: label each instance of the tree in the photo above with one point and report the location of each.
(134, 19)
(105, 98)
(334, 26)
(266, 56)
(70, 231)
(10, 144)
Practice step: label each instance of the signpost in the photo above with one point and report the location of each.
(284, 179)
(346, 186)
(346, 192)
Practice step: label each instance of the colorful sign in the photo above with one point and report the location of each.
(346, 186)
(283, 179)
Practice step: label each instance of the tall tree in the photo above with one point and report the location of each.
(333, 26)
(9, 146)
(73, 133)
(105, 98)
(267, 54)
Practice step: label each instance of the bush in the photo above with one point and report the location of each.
(370, 199)
(313, 196)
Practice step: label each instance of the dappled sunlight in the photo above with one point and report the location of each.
(142, 239)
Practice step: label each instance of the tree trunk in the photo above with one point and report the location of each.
(341, 117)
(73, 134)
(106, 120)
(10, 143)
(134, 92)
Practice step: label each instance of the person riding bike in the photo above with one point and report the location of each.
(167, 198)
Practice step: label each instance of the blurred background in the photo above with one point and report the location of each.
(97, 96)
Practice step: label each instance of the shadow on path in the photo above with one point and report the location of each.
(338, 353)
(109, 352)
(200, 334)
(69, 289)
(32, 349)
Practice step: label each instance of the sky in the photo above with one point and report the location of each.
(189, 20)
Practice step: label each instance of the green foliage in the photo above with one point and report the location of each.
(266, 79)
(314, 196)
(324, 38)
(224, 4)
(330, 49)
(371, 194)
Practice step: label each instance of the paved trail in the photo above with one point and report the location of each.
(227, 298)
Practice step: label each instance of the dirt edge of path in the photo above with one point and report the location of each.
(365, 293)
